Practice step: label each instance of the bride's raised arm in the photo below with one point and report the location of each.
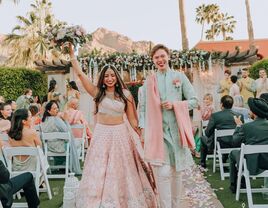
(87, 84)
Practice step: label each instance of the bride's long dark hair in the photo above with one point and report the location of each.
(119, 87)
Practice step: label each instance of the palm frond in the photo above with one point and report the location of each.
(24, 20)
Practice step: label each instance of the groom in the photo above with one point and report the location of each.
(159, 124)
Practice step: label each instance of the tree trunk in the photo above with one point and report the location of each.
(250, 27)
(185, 44)
(202, 31)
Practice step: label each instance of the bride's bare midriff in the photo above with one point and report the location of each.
(106, 119)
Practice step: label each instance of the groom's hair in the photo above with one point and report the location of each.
(158, 47)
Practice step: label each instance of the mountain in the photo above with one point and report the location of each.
(3, 53)
(109, 41)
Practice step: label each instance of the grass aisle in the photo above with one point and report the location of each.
(220, 187)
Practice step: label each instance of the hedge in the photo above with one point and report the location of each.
(254, 69)
(134, 88)
(13, 82)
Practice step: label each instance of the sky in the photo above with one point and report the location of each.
(154, 20)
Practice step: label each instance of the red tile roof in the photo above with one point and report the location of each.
(230, 45)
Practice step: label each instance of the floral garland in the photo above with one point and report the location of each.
(178, 60)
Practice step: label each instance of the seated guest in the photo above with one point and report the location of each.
(264, 96)
(252, 133)
(5, 116)
(223, 119)
(10, 186)
(25, 100)
(13, 105)
(72, 91)
(207, 109)
(23, 135)
(35, 114)
(52, 121)
(76, 116)
(239, 107)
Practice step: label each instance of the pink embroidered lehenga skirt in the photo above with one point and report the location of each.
(113, 176)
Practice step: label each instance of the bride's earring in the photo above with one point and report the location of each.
(103, 86)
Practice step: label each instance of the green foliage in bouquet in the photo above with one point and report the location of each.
(254, 69)
(61, 34)
(13, 82)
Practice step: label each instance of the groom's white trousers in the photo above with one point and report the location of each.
(169, 186)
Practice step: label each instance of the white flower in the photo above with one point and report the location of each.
(78, 32)
(61, 34)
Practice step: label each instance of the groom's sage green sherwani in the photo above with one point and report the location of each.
(175, 155)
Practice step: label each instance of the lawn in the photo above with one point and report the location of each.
(226, 197)
(220, 187)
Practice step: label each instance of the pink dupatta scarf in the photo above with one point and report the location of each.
(154, 143)
(184, 124)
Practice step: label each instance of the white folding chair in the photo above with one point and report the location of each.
(243, 171)
(53, 136)
(219, 152)
(204, 125)
(80, 141)
(37, 127)
(40, 168)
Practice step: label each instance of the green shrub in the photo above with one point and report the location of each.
(13, 82)
(254, 69)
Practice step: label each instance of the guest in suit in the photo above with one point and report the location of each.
(252, 133)
(223, 119)
(9, 186)
(264, 96)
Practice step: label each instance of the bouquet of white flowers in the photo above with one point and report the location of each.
(60, 35)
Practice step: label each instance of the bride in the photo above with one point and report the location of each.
(113, 174)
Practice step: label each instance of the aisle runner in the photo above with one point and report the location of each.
(197, 192)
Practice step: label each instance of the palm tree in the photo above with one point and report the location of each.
(185, 43)
(250, 27)
(206, 14)
(225, 25)
(222, 24)
(29, 44)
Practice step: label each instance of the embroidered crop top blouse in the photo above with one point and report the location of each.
(109, 105)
